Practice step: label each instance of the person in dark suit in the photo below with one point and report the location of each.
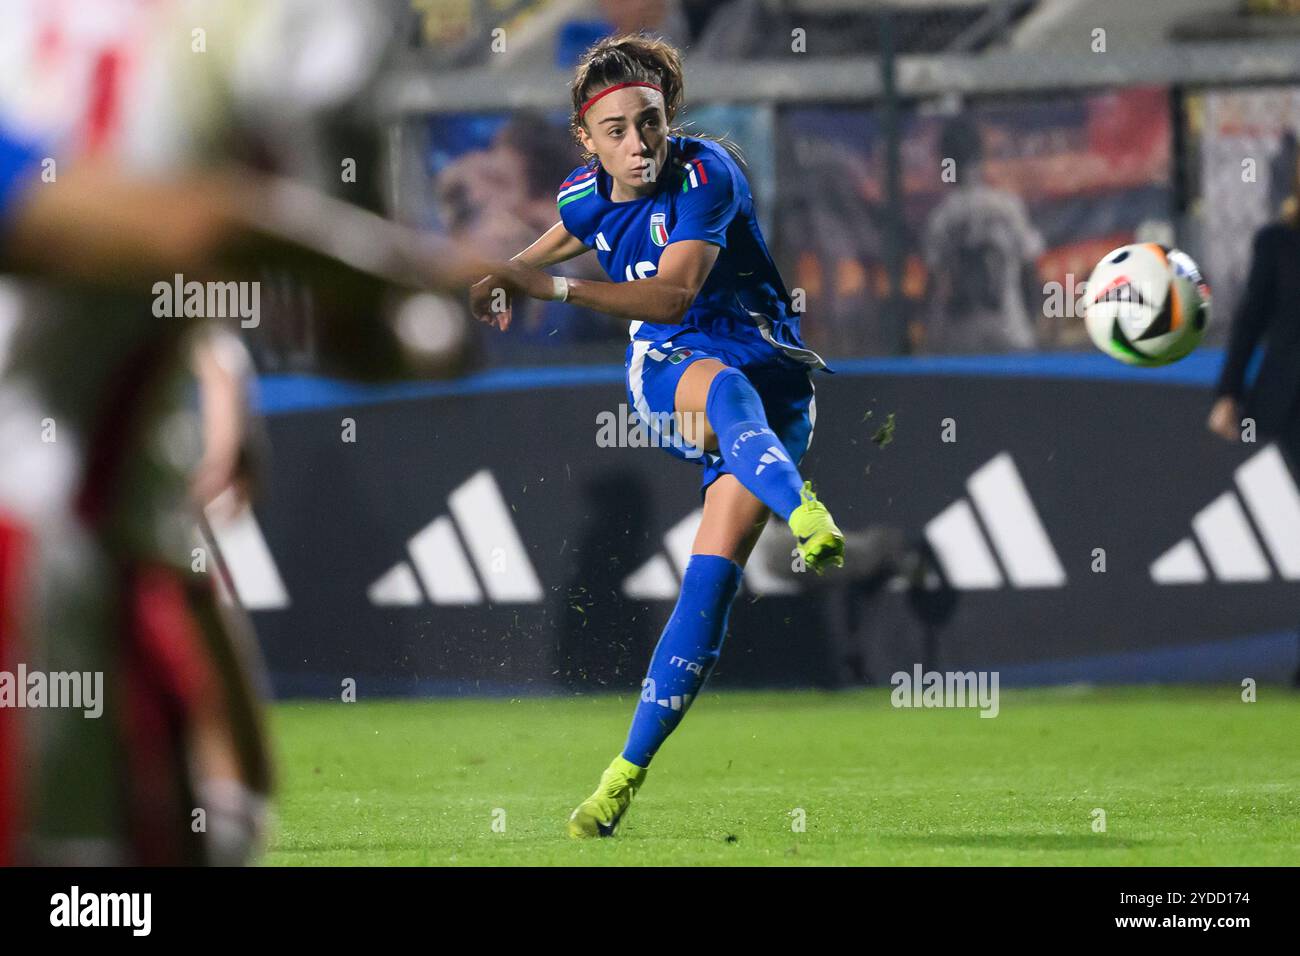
(1269, 312)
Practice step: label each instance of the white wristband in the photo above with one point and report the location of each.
(560, 289)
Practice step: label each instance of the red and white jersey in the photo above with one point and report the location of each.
(159, 83)
(70, 70)
(154, 86)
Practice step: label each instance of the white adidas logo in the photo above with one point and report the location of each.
(674, 702)
(659, 579)
(1013, 527)
(241, 548)
(968, 562)
(1225, 536)
(769, 457)
(441, 564)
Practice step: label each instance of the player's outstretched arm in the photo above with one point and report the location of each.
(93, 225)
(556, 245)
(662, 298)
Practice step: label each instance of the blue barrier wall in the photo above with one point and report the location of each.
(475, 538)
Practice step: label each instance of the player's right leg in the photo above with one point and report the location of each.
(687, 650)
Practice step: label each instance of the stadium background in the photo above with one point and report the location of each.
(371, 573)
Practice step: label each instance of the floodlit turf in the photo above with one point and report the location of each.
(1186, 776)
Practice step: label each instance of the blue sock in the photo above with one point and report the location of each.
(685, 655)
(750, 448)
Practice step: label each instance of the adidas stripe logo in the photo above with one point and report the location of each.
(659, 579)
(238, 544)
(1016, 542)
(675, 702)
(1224, 534)
(601, 242)
(992, 537)
(656, 580)
(769, 457)
(440, 564)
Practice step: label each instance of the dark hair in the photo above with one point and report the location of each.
(630, 58)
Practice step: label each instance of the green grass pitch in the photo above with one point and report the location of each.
(1186, 776)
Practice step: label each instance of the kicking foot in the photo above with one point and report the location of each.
(600, 813)
(820, 542)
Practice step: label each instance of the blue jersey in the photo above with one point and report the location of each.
(702, 195)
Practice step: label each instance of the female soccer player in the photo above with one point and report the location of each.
(716, 367)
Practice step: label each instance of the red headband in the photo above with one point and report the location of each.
(617, 86)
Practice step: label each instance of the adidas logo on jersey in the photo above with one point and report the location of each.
(1223, 536)
(446, 569)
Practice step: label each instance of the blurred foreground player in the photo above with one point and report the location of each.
(96, 499)
(135, 96)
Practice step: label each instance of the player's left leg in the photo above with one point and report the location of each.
(721, 410)
(687, 650)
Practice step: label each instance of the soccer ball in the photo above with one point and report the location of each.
(1146, 304)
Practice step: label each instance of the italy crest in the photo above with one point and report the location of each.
(659, 228)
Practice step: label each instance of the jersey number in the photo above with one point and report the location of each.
(643, 270)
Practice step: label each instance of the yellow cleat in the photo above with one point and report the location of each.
(820, 542)
(600, 813)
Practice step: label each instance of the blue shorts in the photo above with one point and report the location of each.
(784, 385)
